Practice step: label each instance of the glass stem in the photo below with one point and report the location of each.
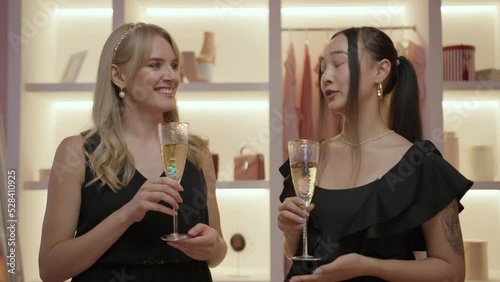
(174, 220)
(304, 239)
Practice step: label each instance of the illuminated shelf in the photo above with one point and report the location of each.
(243, 184)
(59, 87)
(486, 185)
(481, 85)
(494, 276)
(194, 86)
(36, 185)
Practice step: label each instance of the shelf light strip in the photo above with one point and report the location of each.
(82, 11)
(223, 104)
(204, 11)
(462, 103)
(468, 9)
(182, 104)
(343, 10)
(284, 10)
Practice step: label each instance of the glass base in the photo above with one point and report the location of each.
(307, 258)
(175, 237)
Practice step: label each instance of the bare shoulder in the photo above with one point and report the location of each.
(69, 161)
(396, 144)
(74, 141)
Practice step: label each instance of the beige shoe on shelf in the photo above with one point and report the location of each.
(190, 69)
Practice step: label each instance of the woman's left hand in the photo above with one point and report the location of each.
(343, 268)
(201, 244)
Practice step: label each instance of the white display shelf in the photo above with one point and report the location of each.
(59, 87)
(242, 184)
(486, 185)
(192, 86)
(244, 274)
(480, 85)
(36, 185)
(494, 276)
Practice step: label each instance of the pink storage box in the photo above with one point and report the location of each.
(458, 63)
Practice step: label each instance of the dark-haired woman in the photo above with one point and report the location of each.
(382, 193)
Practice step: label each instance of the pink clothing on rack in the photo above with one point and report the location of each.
(290, 111)
(416, 55)
(306, 125)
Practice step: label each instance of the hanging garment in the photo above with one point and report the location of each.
(331, 124)
(306, 125)
(416, 55)
(290, 111)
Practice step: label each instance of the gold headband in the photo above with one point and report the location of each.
(124, 35)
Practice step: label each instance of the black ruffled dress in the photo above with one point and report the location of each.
(381, 219)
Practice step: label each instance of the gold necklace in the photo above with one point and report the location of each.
(366, 141)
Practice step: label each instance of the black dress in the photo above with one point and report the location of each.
(381, 219)
(140, 254)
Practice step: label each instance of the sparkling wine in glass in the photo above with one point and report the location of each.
(174, 145)
(303, 155)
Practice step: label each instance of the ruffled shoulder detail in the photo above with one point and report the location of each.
(412, 192)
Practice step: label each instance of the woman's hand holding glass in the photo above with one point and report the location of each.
(149, 196)
(291, 217)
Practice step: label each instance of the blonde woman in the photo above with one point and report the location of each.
(109, 201)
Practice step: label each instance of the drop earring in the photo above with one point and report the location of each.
(380, 93)
(121, 94)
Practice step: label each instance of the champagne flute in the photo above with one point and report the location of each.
(304, 155)
(174, 145)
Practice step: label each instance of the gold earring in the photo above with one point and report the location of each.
(380, 92)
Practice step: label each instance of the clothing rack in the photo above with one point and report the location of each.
(401, 27)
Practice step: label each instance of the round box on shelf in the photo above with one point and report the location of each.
(459, 63)
(451, 149)
(483, 163)
(476, 259)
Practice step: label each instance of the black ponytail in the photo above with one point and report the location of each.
(404, 117)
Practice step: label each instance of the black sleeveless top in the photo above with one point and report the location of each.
(381, 219)
(139, 252)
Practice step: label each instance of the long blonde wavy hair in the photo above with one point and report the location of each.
(110, 165)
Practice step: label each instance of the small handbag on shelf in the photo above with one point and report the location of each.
(248, 166)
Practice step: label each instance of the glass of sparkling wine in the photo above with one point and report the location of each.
(304, 155)
(174, 145)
